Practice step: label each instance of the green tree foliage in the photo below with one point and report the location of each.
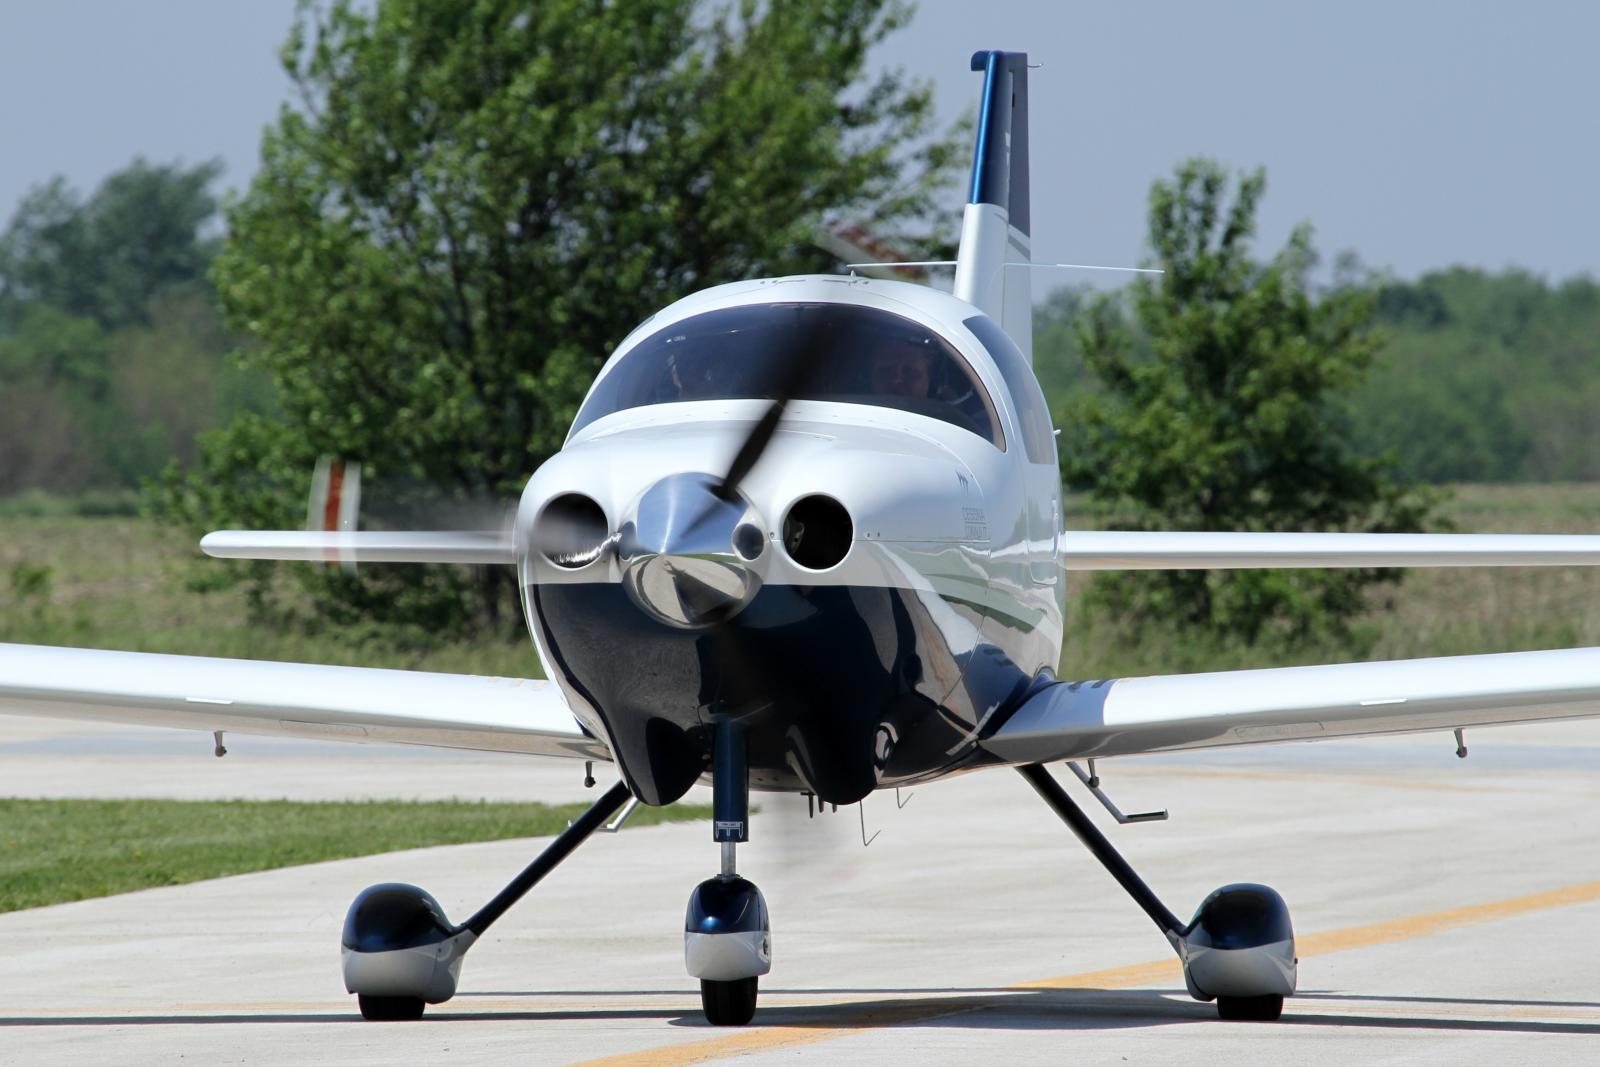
(470, 204)
(1218, 409)
(1479, 377)
(111, 347)
(1056, 359)
(1486, 377)
(53, 377)
(105, 258)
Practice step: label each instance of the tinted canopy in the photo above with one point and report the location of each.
(836, 352)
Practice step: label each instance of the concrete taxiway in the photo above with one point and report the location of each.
(1446, 912)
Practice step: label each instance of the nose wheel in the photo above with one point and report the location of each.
(731, 1003)
(1263, 1009)
(727, 937)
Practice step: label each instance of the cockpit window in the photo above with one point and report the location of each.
(1038, 438)
(854, 355)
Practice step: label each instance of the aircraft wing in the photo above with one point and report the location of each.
(362, 704)
(1122, 550)
(1129, 716)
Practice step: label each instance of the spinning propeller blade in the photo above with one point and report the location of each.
(793, 368)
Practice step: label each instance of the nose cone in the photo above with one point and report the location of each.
(689, 557)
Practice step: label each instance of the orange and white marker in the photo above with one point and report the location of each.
(335, 503)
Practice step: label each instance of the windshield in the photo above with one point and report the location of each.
(859, 356)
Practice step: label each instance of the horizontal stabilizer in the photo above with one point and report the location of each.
(1132, 716)
(304, 700)
(1112, 550)
(365, 546)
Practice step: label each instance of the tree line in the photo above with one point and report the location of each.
(1478, 376)
(114, 353)
(112, 343)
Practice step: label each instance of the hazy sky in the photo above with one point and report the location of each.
(1418, 134)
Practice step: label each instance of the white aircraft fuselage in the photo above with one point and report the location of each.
(873, 655)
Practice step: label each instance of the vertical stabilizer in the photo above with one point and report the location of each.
(994, 228)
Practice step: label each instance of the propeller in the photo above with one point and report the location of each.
(728, 652)
(793, 367)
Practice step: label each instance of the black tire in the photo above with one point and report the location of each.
(390, 1009)
(1251, 1009)
(728, 1003)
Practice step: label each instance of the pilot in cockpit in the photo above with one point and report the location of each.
(901, 366)
(689, 376)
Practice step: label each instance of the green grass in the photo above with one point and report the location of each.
(125, 582)
(59, 850)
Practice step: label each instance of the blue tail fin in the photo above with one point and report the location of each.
(995, 225)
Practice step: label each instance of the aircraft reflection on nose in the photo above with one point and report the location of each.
(691, 558)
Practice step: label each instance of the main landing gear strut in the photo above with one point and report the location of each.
(727, 938)
(1237, 950)
(401, 953)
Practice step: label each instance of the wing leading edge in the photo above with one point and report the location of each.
(1122, 550)
(363, 546)
(1130, 716)
(362, 704)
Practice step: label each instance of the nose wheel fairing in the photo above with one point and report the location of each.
(841, 688)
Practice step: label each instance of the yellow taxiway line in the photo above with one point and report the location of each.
(774, 1038)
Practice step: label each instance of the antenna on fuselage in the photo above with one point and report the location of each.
(852, 267)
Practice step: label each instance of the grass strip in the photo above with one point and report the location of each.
(53, 851)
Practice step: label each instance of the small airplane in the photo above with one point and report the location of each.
(805, 537)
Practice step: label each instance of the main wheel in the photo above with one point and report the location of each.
(390, 1009)
(1251, 1009)
(728, 1003)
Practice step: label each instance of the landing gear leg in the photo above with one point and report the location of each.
(1237, 950)
(727, 938)
(400, 952)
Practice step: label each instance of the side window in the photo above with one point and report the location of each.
(1038, 438)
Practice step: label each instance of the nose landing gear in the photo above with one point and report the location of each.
(727, 936)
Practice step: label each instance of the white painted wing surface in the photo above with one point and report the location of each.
(362, 546)
(361, 704)
(1123, 550)
(1129, 716)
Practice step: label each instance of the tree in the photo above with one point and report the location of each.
(1486, 377)
(54, 381)
(111, 349)
(472, 203)
(142, 231)
(1221, 410)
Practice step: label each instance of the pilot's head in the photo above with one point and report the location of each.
(901, 366)
(689, 378)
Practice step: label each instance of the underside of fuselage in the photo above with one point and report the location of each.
(841, 689)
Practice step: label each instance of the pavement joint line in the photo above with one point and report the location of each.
(780, 1038)
(1381, 781)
